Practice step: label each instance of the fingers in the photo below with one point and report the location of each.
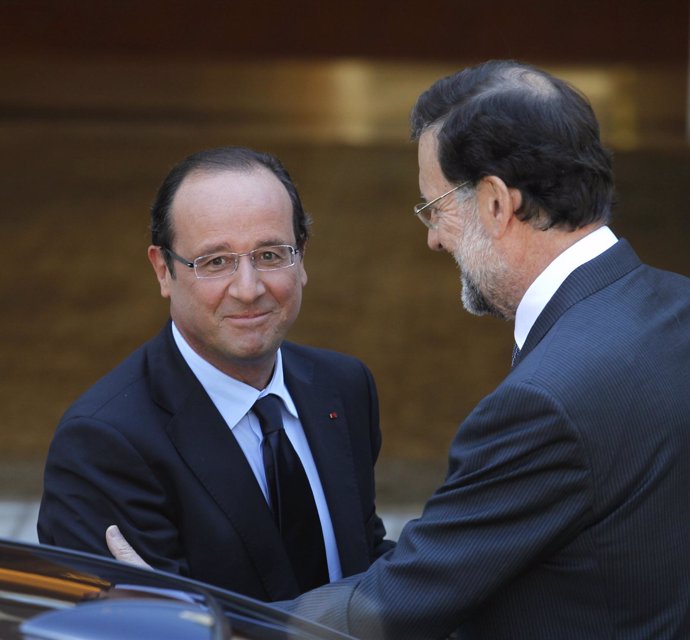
(121, 549)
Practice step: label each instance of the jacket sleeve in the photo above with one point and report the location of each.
(94, 477)
(518, 488)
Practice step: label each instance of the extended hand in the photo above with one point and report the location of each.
(121, 549)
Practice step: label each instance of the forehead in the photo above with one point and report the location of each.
(231, 204)
(229, 187)
(431, 177)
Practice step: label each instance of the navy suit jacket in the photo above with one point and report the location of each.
(565, 512)
(145, 448)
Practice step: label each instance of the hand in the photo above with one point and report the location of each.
(121, 549)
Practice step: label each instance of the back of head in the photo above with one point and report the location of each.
(218, 160)
(534, 131)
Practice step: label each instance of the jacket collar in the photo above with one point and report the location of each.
(587, 279)
(204, 441)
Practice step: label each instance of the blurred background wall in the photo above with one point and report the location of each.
(100, 98)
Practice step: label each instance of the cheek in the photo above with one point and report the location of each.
(449, 238)
(289, 296)
(202, 297)
(452, 232)
(454, 225)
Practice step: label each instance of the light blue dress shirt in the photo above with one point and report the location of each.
(234, 400)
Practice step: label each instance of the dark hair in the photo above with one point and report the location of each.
(534, 131)
(217, 160)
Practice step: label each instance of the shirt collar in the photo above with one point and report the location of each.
(232, 397)
(549, 280)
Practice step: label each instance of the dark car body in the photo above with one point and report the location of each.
(50, 593)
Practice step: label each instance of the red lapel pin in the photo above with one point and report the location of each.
(332, 415)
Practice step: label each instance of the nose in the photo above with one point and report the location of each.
(246, 284)
(433, 241)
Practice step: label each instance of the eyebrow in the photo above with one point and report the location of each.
(224, 248)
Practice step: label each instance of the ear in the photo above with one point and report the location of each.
(303, 271)
(498, 204)
(302, 268)
(160, 267)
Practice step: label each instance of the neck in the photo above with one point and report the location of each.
(255, 376)
(536, 250)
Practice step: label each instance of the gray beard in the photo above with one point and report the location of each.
(481, 294)
(475, 302)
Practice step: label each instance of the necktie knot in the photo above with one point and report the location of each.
(267, 409)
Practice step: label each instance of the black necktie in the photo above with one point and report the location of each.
(292, 501)
(516, 355)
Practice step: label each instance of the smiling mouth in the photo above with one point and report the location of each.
(247, 317)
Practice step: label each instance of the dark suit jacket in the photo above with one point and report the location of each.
(145, 448)
(566, 509)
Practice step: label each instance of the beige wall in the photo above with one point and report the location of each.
(97, 104)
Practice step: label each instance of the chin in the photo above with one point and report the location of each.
(476, 303)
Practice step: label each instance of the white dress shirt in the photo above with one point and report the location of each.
(548, 281)
(234, 400)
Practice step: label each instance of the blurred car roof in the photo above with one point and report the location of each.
(51, 593)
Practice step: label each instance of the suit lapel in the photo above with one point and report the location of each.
(592, 276)
(324, 418)
(205, 443)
